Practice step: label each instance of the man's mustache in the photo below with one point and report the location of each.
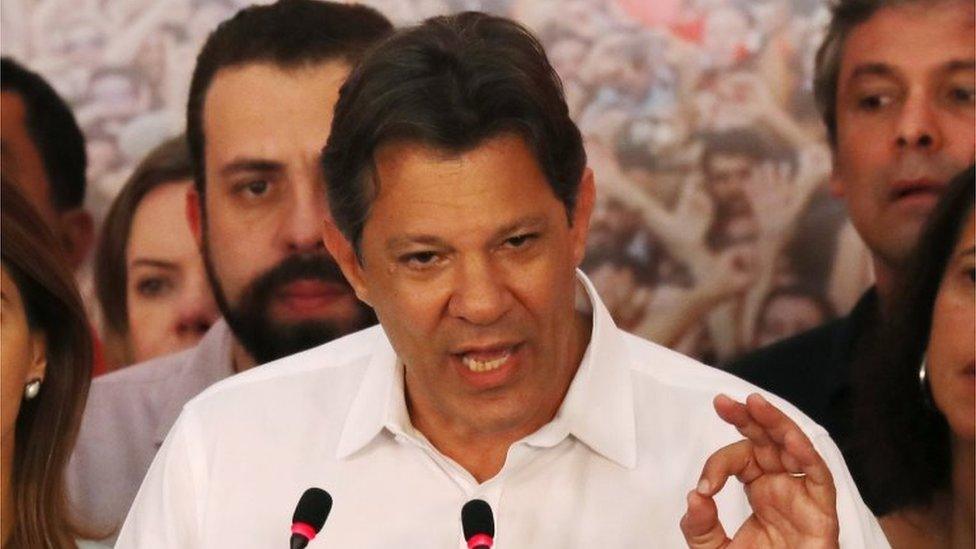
(319, 267)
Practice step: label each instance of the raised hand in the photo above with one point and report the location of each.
(773, 198)
(788, 485)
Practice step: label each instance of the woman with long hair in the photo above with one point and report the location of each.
(915, 422)
(46, 368)
(152, 288)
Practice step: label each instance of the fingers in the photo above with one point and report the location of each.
(700, 525)
(788, 435)
(767, 452)
(735, 459)
(779, 443)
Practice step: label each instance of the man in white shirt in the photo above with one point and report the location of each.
(461, 200)
(260, 107)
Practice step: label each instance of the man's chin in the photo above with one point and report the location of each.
(269, 342)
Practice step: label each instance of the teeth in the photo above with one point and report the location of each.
(484, 365)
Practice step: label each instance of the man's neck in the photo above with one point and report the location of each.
(241, 358)
(886, 281)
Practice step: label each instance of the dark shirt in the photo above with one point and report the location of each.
(813, 370)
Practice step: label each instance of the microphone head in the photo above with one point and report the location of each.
(313, 508)
(476, 518)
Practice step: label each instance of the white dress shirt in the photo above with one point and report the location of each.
(611, 470)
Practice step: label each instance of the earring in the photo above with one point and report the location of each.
(32, 389)
(923, 383)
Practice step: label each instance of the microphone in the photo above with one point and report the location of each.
(478, 524)
(310, 514)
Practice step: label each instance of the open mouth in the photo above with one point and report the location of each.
(486, 359)
(481, 365)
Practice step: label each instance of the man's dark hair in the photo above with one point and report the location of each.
(55, 133)
(901, 449)
(845, 16)
(287, 34)
(451, 83)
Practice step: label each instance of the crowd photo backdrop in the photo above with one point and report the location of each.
(715, 231)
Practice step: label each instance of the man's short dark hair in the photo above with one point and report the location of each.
(287, 34)
(845, 16)
(54, 131)
(451, 83)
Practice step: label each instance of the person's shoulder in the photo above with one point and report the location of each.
(151, 371)
(318, 366)
(139, 383)
(676, 378)
(811, 347)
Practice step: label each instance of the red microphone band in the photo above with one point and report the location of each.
(478, 541)
(303, 529)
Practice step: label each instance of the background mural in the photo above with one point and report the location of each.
(715, 231)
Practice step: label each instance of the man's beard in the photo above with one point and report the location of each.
(250, 318)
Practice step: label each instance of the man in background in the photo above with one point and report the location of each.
(259, 112)
(43, 153)
(894, 82)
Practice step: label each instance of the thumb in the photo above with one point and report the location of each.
(700, 525)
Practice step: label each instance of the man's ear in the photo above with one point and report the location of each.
(345, 256)
(585, 199)
(38, 365)
(77, 235)
(194, 214)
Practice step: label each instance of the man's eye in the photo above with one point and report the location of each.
(153, 286)
(873, 102)
(419, 260)
(256, 188)
(962, 95)
(520, 241)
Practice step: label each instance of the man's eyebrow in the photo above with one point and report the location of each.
(872, 69)
(526, 223)
(886, 70)
(245, 164)
(532, 222)
(406, 240)
(970, 251)
(144, 262)
(960, 65)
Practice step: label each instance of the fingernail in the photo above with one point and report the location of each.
(704, 487)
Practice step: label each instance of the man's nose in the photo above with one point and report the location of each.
(303, 219)
(918, 125)
(479, 295)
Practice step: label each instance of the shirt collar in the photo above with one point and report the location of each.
(598, 408)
